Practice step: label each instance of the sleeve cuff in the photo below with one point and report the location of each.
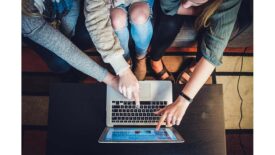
(119, 64)
(103, 75)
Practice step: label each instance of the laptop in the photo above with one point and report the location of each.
(128, 124)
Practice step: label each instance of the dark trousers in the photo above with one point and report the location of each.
(166, 30)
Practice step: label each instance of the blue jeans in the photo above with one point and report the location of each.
(141, 34)
(67, 27)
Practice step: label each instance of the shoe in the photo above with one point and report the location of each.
(190, 63)
(130, 63)
(162, 72)
(140, 69)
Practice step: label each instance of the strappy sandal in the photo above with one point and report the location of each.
(190, 64)
(162, 72)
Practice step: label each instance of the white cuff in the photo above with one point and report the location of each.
(119, 64)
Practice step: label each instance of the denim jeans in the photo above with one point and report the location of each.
(67, 27)
(141, 34)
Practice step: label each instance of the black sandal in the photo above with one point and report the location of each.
(162, 72)
(180, 79)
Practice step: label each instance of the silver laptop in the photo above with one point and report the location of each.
(128, 124)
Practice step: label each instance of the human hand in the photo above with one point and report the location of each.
(128, 85)
(112, 81)
(173, 113)
(39, 4)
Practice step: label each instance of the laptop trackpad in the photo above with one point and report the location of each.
(145, 91)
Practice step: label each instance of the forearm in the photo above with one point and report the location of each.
(198, 78)
(110, 80)
(42, 33)
(102, 34)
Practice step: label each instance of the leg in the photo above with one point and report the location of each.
(54, 62)
(141, 27)
(119, 23)
(142, 31)
(166, 32)
(69, 21)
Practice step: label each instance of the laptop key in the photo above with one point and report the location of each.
(115, 106)
(145, 102)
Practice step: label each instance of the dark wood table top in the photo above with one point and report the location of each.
(77, 117)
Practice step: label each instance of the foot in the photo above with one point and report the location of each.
(140, 69)
(185, 76)
(157, 66)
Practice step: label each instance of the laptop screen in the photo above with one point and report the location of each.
(139, 134)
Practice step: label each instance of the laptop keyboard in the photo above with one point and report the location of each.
(126, 111)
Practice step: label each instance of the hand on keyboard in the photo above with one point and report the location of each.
(128, 85)
(173, 113)
(126, 112)
(128, 91)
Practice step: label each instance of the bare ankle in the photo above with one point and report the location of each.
(156, 65)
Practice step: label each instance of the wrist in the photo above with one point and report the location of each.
(124, 71)
(108, 80)
(183, 100)
(119, 64)
(186, 97)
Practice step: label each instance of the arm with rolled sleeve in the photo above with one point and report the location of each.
(38, 30)
(211, 46)
(215, 38)
(102, 34)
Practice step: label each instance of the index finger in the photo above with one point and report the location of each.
(136, 98)
(163, 117)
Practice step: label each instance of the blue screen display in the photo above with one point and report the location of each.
(139, 134)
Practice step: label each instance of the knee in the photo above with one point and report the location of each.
(139, 12)
(118, 18)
